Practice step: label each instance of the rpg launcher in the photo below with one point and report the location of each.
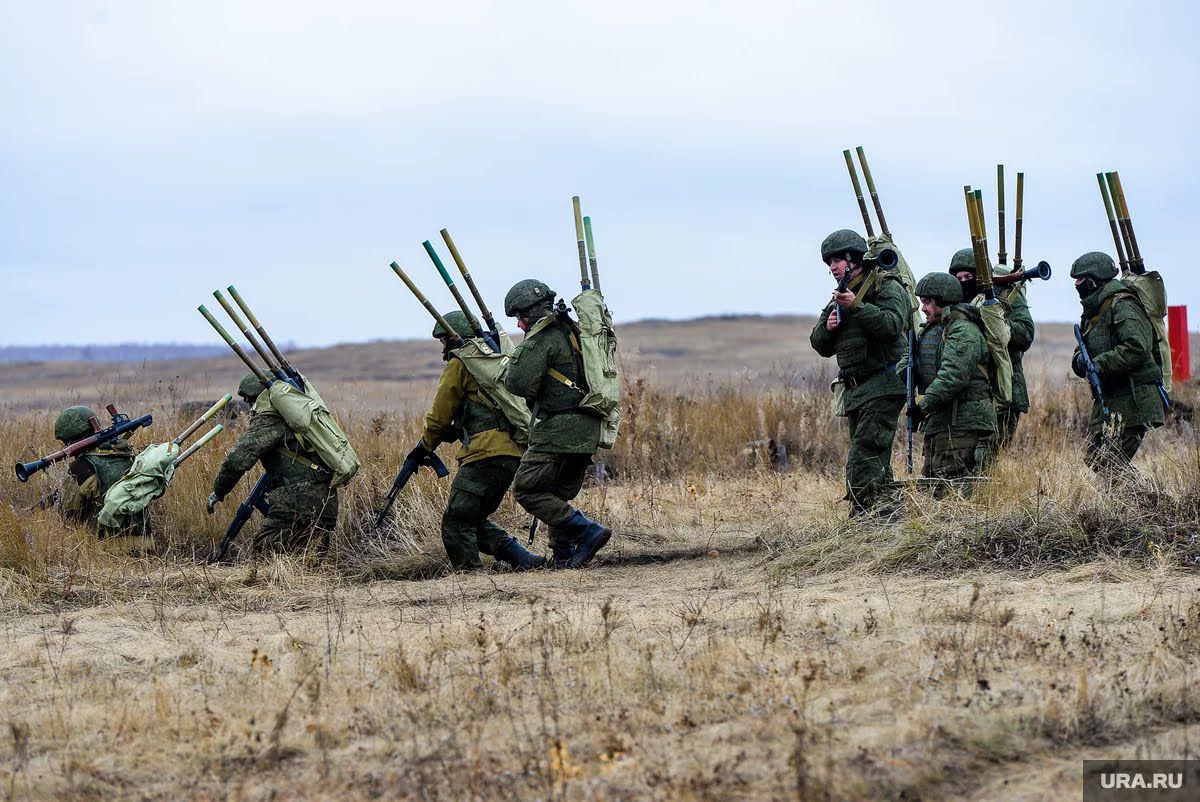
(1042, 271)
(278, 367)
(122, 426)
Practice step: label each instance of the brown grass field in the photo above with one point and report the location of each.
(740, 638)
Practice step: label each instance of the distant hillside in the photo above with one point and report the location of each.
(124, 352)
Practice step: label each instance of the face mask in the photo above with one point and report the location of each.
(1086, 288)
(970, 288)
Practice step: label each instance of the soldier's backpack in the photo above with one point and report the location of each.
(1152, 293)
(146, 480)
(306, 415)
(997, 333)
(487, 368)
(903, 272)
(598, 344)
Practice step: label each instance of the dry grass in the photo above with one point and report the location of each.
(738, 639)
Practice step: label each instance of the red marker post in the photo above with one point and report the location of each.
(1177, 333)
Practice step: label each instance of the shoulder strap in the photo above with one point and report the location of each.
(1105, 305)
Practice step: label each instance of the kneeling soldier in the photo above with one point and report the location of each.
(956, 411)
(90, 475)
(546, 369)
(487, 462)
(301, 501)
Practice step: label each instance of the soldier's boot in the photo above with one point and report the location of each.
(588, 536)
(512, 552)
(562, 552)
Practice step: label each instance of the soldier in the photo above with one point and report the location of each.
(1120, 340)
(92, 474)
(1021, 330)
(300, 498)
(956, 411)
(867, 335)
(546, 370)
(487, 462)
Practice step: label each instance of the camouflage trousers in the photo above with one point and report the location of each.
(869, 480)
(955, 456)
(1112, 456)
(298, 513)
(1007, 419)
(475, 494)
(544, 485)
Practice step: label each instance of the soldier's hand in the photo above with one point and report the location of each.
(1078, 366)
(844, 298)
(419, 454)
(915, 412)
(831, 322)
(212, 503)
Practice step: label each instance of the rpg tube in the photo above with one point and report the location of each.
(591, 251)
(1122, 223)
(248, 333)
(1112, 221)
(199, 444)
(1136, 264)
(1002, 255)
(462, 268)
(1020, 213)
(1042, 271)
(207, 416)
(472, 321)
(428, 306)
(584, 282)
(858, 193)
(237, 349)
(862, 159)
(279, 357)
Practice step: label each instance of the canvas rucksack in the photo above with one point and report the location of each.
(997, 333)
(901, 271)
(146, 480)
(487, 368)
(306, 415)
(1152, 293)
(598, 344)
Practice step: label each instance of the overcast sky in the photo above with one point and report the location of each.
(154, 151)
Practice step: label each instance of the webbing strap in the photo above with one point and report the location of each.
(554, 374)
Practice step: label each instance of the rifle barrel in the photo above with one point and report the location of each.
(1112, 221)
(591, 250)
(200, 421)
(858, 193)
(584, 282)
(472, 321)
(462, 268)
(428, 306)
(1020, 218)
(279, 357)
(248, 333)
(237, 349)
(862, 159)
(1002, 255)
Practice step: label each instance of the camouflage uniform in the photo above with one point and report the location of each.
(868, 343)
(1120, 339)
(953, 371)
(91, 475)
(1021, 336)
(487, 462)
(301, 501)
(563, 438)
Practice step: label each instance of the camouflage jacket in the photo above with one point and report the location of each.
(953, 364)
(89, 478)
(1120, 339)
(558, 427)
(868, 343)
(460, 412)
(293, 475)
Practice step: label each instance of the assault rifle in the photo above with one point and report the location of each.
(1093, 375)
(910, 392)
(407, 469)
(121, 426)
(257, 500)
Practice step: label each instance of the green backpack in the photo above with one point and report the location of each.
(598, 343)
(1150, 290)
(997, 333)
(901, 271)
(146, 480)
(487, 367)
(309, 419)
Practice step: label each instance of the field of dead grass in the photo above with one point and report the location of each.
(739, 638)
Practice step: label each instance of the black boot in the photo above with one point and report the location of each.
(512, 552)
(588, 536)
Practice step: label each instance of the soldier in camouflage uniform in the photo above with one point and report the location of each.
(487, 462)
(868, 342)
(1021, 331)
(301, 501)
(546, 369)
(91, 475)
(1120, 339)
(957, 412)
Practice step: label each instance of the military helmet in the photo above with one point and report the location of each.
(74, 423)
(963, 260)
(841, 241)
(1094, 264)
(941, 287)
(250, 387)
(526, 294)
(458, 322)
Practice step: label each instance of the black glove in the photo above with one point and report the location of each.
(1078, 366)
(419, 455)
(915, 412)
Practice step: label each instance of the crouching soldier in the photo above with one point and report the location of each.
(301, 501)
(487, 462)
(956, 411)
(1120, 340)
(546, 369)
(90, 475)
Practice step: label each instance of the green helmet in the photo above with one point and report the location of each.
(74, 423)
(526, 294)
(458, 322)
(963, 260)
(250, 387)
(941, 287)
(842, 241)
(1094, 264)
